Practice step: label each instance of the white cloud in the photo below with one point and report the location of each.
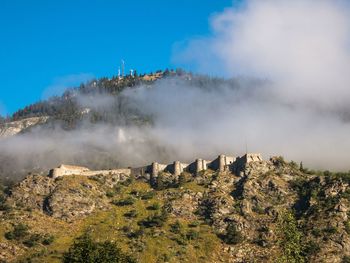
(303, 47)
(302, 112)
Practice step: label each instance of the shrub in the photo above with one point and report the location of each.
(134, 192)
(294, 165)
(278, 161)
(124, 202)
(156, 220)
(290, 238)
(131, 214)
(182, 179)
(47, 240)
(32, 240)
(330, 230)
(154, 206)
(159, 183)
(85, 250)
(192, 235)
(312, 248)
(128, 181)
(148, 195)
(19, 231)
(176, 228)
(110, 194)
(136, 234)
(316, 232)
(194, 224)
(233, 236)
(3, 205)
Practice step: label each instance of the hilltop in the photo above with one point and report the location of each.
(259, 211)
(102, 106)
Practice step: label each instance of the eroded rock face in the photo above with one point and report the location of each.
(66, 198)
(185, 204)
(16, 127)
(70, 201)
(32, 191)
(252, 200)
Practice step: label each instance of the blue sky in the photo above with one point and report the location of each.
(46, 45)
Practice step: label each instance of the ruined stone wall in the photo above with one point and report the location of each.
(63, 170)
(221, 163)
(107, 172)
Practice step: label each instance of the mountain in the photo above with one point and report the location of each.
(250, 211)
(78, 127)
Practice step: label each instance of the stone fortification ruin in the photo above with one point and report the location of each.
(221, 163)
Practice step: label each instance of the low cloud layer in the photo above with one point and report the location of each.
(303, 47)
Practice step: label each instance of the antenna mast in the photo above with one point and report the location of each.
(123, 68)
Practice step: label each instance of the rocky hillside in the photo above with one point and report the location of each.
(269, 211)
(9, 129)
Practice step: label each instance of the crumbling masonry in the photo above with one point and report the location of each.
(221, 163)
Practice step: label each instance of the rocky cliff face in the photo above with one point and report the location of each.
(12, 128)
(270, 211)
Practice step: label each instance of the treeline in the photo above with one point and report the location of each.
(61, 107)
(67, 108)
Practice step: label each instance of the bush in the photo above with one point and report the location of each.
(148, 195)
(47, 240)
(176, 228)
(135, 234)
(233, 236)
(330, 230)
(192, 235)
(131, 214)
(128, 181)
(110, 194)
(290, 238)
(85, 250)
(312, 248)
(19, 231)
(156, 220)
(32, 240)
(159, 183)
(194, 224)
(316, 232)
(124, 202)
(154, 206)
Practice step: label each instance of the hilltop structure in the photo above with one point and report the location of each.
(221, 163)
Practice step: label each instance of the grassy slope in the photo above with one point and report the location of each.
(156, 244)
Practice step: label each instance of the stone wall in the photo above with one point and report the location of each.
(64, 170)
(221, 163)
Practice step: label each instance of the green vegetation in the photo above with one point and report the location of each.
(124, 202)
(86, 250)
(19, 232)
(156, 220)
(232, 236)
(186, 222)
(290, 239)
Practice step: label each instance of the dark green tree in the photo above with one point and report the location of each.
(85, 250)
(233, 236)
